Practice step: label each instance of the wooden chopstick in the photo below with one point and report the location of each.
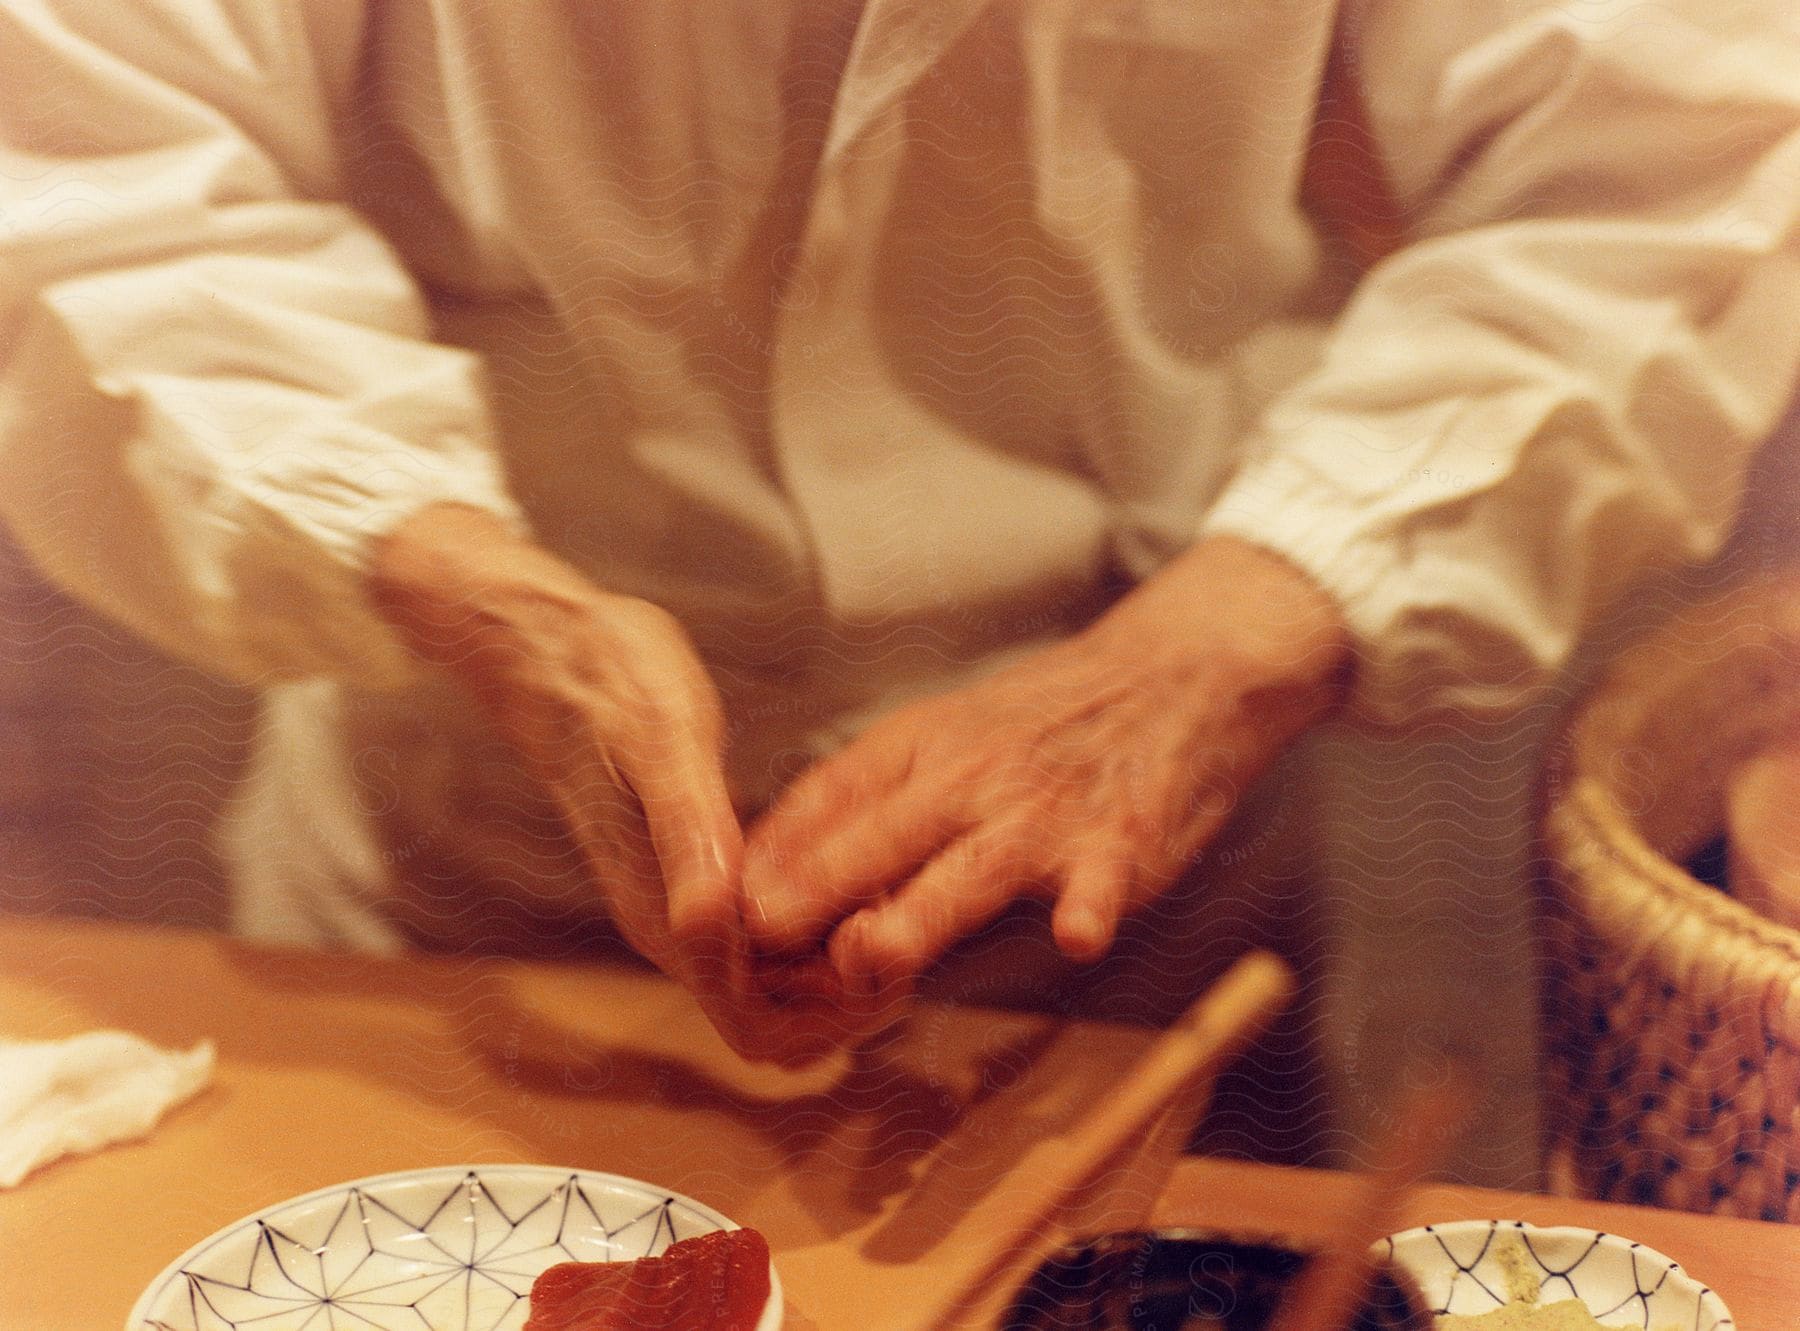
(1428, 1119)
(1053, 1177)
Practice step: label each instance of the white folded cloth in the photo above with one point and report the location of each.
(67, 1097)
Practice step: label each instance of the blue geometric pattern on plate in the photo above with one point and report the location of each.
(1623, 1283)
(452, 1249)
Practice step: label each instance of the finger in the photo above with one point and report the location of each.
(1094, 897)
(876, 761)
(823, 795)
(1201, 798)
(607, 826)
(856, 863)
(806, 1013)
(814, 985)
(962, 888)
(699, 850)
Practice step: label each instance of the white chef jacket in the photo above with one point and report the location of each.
(876, 345)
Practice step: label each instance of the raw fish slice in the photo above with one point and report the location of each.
(712, 1282)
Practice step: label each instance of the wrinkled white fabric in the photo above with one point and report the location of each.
(70, 1097)
(275, 272)
(1050, 298)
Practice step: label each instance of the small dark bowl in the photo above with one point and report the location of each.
(1185, 1280)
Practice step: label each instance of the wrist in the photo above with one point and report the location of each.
(466, 592)
(1259, 618)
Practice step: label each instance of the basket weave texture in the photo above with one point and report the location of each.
(1672, 1011)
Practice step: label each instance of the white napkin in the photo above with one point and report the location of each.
(65, 1097)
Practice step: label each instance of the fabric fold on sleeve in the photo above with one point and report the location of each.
(219, 386)
(1559, 385)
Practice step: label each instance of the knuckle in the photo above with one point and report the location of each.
(1002, 854)
(1134, 830)
(954, 866)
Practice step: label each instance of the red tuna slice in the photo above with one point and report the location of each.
(712, 1282)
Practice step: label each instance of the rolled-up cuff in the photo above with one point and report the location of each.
(284, 589)
(1433, 631)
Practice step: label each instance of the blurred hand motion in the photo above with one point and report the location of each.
(1091, 774)
(606, 702)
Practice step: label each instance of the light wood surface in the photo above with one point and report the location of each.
(335, 1068)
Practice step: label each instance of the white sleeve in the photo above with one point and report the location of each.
(1560, 380)
(215, 381)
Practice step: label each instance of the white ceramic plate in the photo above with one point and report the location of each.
(1460, 1269)
(451, 1249)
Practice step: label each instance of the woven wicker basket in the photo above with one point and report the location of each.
(1673, 1012)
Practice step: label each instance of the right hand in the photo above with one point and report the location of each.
(604, 698)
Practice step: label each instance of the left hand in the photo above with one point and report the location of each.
(1090, 774)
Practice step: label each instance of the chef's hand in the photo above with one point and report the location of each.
(1090, 774)
(610, 708)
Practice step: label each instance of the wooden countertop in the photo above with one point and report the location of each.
(333, 1068)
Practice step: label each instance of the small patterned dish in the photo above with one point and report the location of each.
(450, 1249)
(1475, 1266)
